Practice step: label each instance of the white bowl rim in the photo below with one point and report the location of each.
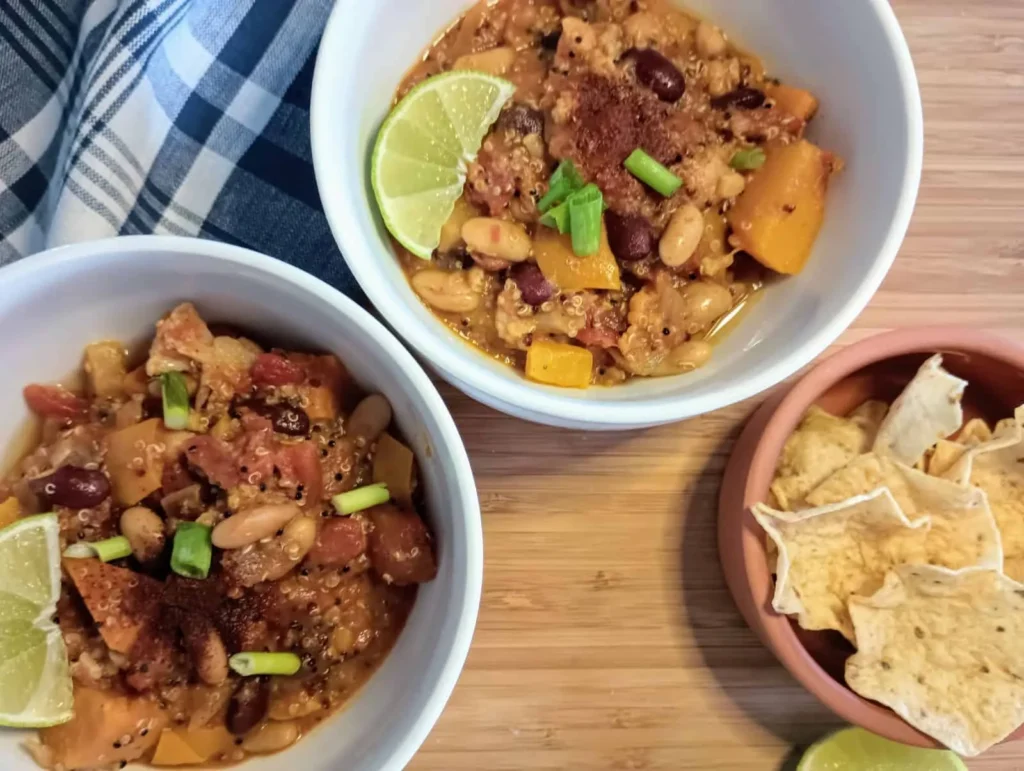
(449, 354)
(402, 751)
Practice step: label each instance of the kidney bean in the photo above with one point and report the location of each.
(76, 488)
(630, 236)
(289, 420)
(658, 73)
(531, 282)
(248, 705)
(522, 119)
(743, 97)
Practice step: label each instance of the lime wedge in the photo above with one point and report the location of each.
(423, 148)
(35, 681)
(854, 749)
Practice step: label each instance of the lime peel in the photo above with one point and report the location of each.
(423, 150)
(35, 679)
(855, 748)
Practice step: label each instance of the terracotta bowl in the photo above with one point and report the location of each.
(876, 368)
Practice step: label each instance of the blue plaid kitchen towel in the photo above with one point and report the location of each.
(187, 117)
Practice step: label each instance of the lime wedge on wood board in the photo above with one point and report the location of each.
(422, 151)
(35, 681)
(854, 749)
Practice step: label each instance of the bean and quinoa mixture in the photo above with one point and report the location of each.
(596, 80)
(243, 540)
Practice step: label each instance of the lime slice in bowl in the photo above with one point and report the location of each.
(422, 151)
(854, 749)
(35, 680)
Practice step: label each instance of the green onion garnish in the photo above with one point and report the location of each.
(651, 173)
(585, 207)
(557, 218)
(193, 550)
(109, 549)
(249, 663)
(361, 498)
(564, 182)
(748, 159)
(175, 393)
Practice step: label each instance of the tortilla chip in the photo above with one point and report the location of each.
(962, 530)
(828, 554)
(975, 431)
(928, 410)
(943, 456)
(942, 649)
(997, 467)
(821, 444)
(869, 416)
(846, 545)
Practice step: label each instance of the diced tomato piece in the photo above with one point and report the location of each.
(602, 337)
(53, 401)
(339, 542)
(299, 464)
(273, 369)
(400, 546)
(216, 459)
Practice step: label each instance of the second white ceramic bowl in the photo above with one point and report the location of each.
(53, 304)
(852, 55)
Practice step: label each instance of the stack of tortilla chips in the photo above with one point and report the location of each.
(911, 544)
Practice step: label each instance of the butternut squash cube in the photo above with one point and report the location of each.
(106, 365)
(796, 101)
(393, 465)
(10, 510)
(779, 214)
(570, 273)
(173, 750)
(134, 462)
(559, 364)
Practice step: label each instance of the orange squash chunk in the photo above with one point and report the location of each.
(570, 273)
(134, 462)
(779, 214)
(796, 101)
(559, 364)
(123, 603)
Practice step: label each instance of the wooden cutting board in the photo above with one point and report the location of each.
(607, 638)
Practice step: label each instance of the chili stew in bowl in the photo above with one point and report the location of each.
(694, 154)
(242, 539)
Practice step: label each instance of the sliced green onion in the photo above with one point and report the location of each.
(175, 394)
(193, 550)
(361, 498)
(564, 182)
(249, 663)
(585, 207)
(748, 159)
(651, 173)
(557, 218)
(107, 550)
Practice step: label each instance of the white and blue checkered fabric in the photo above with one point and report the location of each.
(187, 117)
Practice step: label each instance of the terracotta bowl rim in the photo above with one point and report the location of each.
(776, 629)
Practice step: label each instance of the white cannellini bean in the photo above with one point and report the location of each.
(249, 526)
(145, 532)
(370, 417)
(731, 184)
(451, 291)
(710, 40)
(270, 736)
(682, 236)
(497, 238)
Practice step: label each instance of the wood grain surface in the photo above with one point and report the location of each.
(607, 638)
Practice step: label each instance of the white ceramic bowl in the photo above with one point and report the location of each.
(53, 304)
(851, 54)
